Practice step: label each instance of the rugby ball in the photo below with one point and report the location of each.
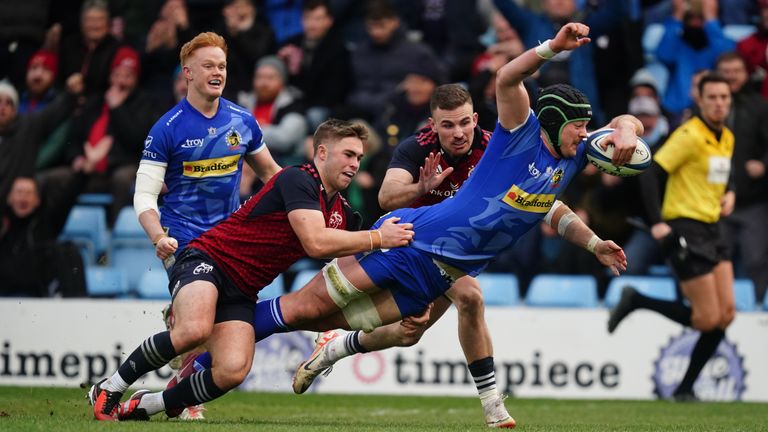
(602, 158)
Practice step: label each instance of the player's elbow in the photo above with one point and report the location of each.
(315, 248)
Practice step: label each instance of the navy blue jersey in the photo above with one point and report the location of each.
(203, 159)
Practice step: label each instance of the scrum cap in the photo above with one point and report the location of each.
(559, 105)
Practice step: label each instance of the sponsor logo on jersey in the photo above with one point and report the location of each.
(533, 171)
(217, 167)
(234, 139)
(335, 220)
(148, 141)
(192, 143)
(522, 200)
(211, 131)
(557, 176)
(173, 117)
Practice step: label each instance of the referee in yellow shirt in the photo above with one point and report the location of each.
(696, 160)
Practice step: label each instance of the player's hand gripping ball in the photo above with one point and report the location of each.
(600, 158)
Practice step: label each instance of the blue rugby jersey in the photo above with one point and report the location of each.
(203, 159)
(509, 192)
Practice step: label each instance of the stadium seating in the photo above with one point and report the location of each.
(737, 32)
(128, 230)
(135, 261)
(744, 292)
(272, 290)
(499, 289)
(86, 226)
(102, 199)
(553, 290)
(105, 282)
(302, 278)
(651, 38)
(662, 288)
(153, 285)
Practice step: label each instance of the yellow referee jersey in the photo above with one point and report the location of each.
(698, 166)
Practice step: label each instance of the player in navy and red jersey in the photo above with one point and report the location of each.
(427, 168)
(217, 278)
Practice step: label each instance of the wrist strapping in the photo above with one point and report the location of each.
(592, 243)
(375, 243)
(544, 50)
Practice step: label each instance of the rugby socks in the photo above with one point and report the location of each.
(268, 319)
(674, 310)
(152, 403)
(193, 390)
(202, 361)
(352, 343)
(702, 351)
(484, 374)
(154, 353)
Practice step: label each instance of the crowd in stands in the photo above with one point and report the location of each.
(83, 81)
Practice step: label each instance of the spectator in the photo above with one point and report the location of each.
(21, 135)
(578, 67)
(284, 17)
(160, 57)
(90, 51)
(248, 39)
(746, 226)
(32, 262)
(408, 110)
(318, 62)
(754, 49)
(41, 73)
(692, 41)
(279, 110)
(108, 134)
(22, 31)
(450, 27)
(382, 62)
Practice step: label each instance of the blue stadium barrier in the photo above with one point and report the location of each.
(302, 278)
(554, 290)
(744, 293)
(499, 289)
(105, 282)
(662, 288)
(274, 289)
(153, 285)
(86, 227)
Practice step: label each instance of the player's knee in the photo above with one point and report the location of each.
(469, 300)
(727, 317)
(705, 322)
(232, 372)
(186, 336)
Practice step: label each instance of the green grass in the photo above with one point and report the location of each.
(65, 410)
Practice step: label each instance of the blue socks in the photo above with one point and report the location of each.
(268, 319)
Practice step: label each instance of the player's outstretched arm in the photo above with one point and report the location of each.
(511, 98)
(320, 241)
(570, 227)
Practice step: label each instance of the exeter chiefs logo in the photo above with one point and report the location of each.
(234, 139)
(557, 176)
(335, 220)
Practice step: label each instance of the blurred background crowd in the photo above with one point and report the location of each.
(83, 81)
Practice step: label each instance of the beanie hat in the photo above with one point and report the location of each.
(128, 57)
(276, 63)
(7, 89)
(48, 59)
(559, 105)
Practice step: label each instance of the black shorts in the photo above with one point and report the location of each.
(706, 248)
(193, 265)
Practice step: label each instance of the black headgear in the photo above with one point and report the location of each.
(559, 105)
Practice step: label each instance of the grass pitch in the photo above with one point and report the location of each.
(65, 410)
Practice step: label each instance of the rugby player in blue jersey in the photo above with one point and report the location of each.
(197, 151)
(500, 201)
